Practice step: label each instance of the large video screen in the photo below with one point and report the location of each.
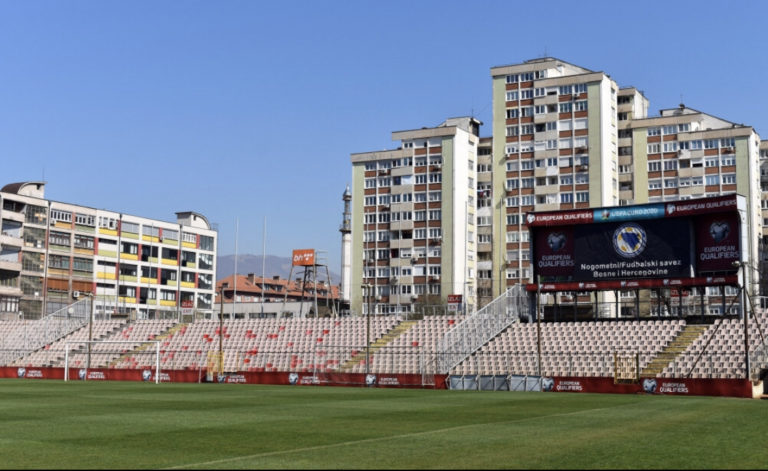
(681, 240)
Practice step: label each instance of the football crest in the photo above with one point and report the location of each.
(547, 384)
(629, 240)
(293, 378)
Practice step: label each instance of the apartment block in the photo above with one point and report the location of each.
(555, 139)
(54, 253)
(413, 223)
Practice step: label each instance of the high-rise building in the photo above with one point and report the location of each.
(414, 234)
(563, 137)
(54, 253)
(554, 147)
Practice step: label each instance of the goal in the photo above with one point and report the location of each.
(107, 354)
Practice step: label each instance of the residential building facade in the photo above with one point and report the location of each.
(54, 253)
(414, 234)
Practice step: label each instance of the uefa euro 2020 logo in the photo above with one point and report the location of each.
(629, 240)
(146, 375)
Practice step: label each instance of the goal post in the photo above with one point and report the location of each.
(104, 354)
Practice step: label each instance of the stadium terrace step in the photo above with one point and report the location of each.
(145, 346)
(677, 346)
(385, 339)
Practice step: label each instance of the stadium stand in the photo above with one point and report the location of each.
(664, 348)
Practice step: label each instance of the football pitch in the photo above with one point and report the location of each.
(130, 425)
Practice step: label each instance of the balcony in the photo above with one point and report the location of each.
(7, 239)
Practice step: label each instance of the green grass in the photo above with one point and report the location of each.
(58, 425)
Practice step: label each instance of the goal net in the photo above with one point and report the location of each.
(110, 354)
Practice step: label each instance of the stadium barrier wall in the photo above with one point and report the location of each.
(381, 380)
(674, 386)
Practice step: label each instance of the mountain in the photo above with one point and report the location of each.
(273, 266)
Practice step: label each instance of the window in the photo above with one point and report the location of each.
(206, 243)
(729, 179)
(59, 262)
(654, 148)
(63, 216)
(672, 129)
(129, 227)
(512, 95)
(670, 165)
(713, 179)
(670, 146)
(526, 94)
(566, 179)
(582, 197)
(83, 242)
(566, 198)
(85, 220)
(107, 222)
(513, 113)
(59, 238)
(580, 105)
(565, 107)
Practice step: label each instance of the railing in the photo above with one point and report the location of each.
(36, 334)
(477, 329)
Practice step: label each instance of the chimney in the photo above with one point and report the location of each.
(252, 278)
(276, 277)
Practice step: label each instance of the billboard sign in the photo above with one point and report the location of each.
(303, 257)
(660, 244)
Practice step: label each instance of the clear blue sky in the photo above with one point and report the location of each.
(245, 110)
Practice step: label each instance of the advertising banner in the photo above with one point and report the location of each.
(717, 242)
(638, 249)
(303, 257)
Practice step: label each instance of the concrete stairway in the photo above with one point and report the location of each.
(678, 345)
(359, 357)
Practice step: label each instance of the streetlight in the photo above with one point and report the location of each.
(743, 265)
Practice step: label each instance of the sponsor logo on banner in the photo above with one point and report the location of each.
(547, 384)
(293, 378)
(303, 257)
(309, 380)
(629, 240)
(719, 230)
(570, 386)
(146, 375)
(556, 241)
(649, 385)
(81, 373)
(21, 372)
(236, 379)
(388, 381)
(370, 380)
(96, 375)
(675, 388)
